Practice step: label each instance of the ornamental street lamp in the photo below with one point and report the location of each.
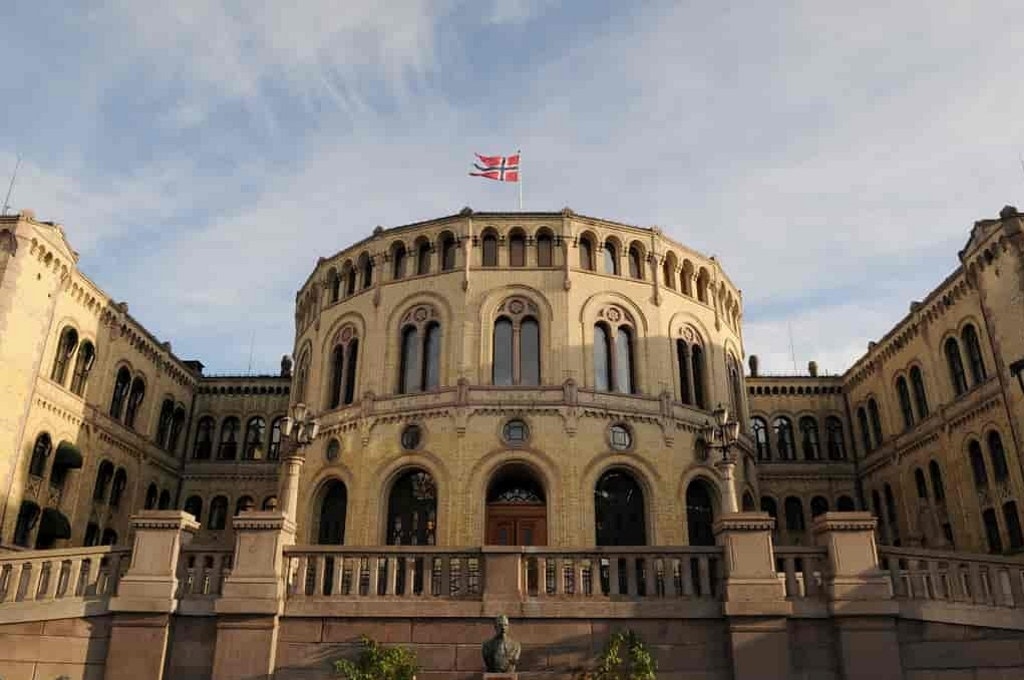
(302, 423)
(301, 428)
(721, 434)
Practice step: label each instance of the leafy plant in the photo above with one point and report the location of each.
(625, 657)
(376, 662)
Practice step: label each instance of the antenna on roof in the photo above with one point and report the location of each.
(792, 349)
(252, 339)
(10, 187)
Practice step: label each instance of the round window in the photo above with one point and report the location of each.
(620, 437)
(333, 450)
(515, 432)
(412, 437)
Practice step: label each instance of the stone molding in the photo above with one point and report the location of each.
(847, 521)
(263, 520)
(164, 519)
(744, 521)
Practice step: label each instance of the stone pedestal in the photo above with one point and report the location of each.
(503, 590)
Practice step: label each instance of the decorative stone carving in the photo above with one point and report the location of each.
(501, 652)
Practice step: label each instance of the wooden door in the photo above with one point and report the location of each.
(516, 524)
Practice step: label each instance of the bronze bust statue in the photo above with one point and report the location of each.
(501, 652)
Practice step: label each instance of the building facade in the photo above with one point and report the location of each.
(511, 378)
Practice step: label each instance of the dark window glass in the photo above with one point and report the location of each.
(668, 274)
(619, 510)
(876, 421)
(40, 455)
(602, 358)
(228, 449)
(135, 397)
(65, 350)
(163, 426)
(920, 396)
(118, 487)
(938, 489)
(333, 511)
(794, 509)
(409, 371)
(956, 367)
(974, 357)
(995, 543)
(448, 249)
(891, 516)
(432, 357)
(151, 497)
(194, 507)
(121, 386)
(204, 439)
(218, 513)
(351, 362)
(529, 352)
(165, 500)
(255, 432)
(333, 450)
(998, 456)
(517, 250)
(544, 251)
(515, 432)
(103, 477)
(922, 486)
(977, 464)
(621, 437)
(274, 452)
(1012, 520)
(700, 514)
(865, 430)
(683, 361)
(697, 363)
(412, 510)
(636, 269)
(903, 392)
(810, 442)
(836, 440)
(83, 366)
(624, 361)
(611, 258)
(490, 250)
(845, 504)
(398, 259)
(819, 506)
(784, 438)
(586, 254)
(502, 370)
(759, 427)
(423, 259)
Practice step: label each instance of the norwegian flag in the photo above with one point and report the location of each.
(500, 168)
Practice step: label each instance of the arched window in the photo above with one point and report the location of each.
(163, 426)
(619, 510)
(218, 513)
(420, 361)
(865, 430)
(683, 362)
(489, 245)
(698, 372)
(1000, 472)
(177, 427)
(274, 452)
(956, 366)
(412, 509)
(104, 475)
(586, 253)
(921, 484)
(194, 507)
(974, 356)
(92, 534)
(333, 510)
(835, 438)
(768, 505)
(344, 363)
(810, 442)
(700, 513)
(845, 504)
(636, 263)
(109, 537)
(668, 271)
(244, 504)
(794, 509)
(920, 396)
(624, 360)
(545, 249)
(819, 506)
(903, 392)
(611, 258)
(398, 258)
(83, 366)
(334, 284)
(890, 511)
(348, 274)
(65, 350)
(703, 281)
(747, 504)
(732, 369)
(204, 439)
(876, 422)
(448, 250)
(759, 426)
(366, 270)
(118, 487)
(270, 503)
(995, 543)
(1013, 530)
(517, 249)
(121, 386)
(977, 464)
(614, 368)
(784, 438)
(135, 397)
(255, 431)
(28, 516)
(423, 257)
(165, 500)
(602, 358)
(40, 455)
(228, 449)
(302, 377)
(938, 489)
(151, 497)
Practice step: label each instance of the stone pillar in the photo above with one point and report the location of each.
(503, 587)
(289, 495)
(727, 468)
(252, 597)
(754, 597)
(146, 595)
(860, 597)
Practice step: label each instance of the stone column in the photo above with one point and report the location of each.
(727, 468)
(503, 585)
(289, 495)
(147, 595)
(860, 597)
(754, 597)
(252, 597)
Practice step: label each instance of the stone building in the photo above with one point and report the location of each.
(534, 378)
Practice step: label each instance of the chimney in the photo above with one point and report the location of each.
(752, 362)
(812, 368)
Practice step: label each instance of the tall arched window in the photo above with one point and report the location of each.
(165, 500)
(769, 506)
(703, 281)
(611, 258)
(995, 542)
(334, 284)
(516, 344)
(784, 438)
(422, 257)
(489, 246)
(118, 487)
(668, 271)
(586, 247)
(344, 360)
(624, 376)
(65, 350)
(835, 438)
(40, 455)
(735, 375)
(876, 421)
(845, 504)
(255, 431)
(366, 270)
(903, 393)
(448, 249)
(865, 430)
(398, 259)
(977, 464)
(794, 509)
(83, 366)
(218, 513)
(517, 249)
(135, 397)
(163, 425)
(302, 376)
(810, 441)
(333, 511)
(151, 497)
(891, 516)
(244, 504)
(412, 509)
(636, 263)
(614, 339)
(420, 347)
(690, 363)
(274, 451)
(104, 475)
(121, 386)
(204, 439)
(921, 484)
(956, 366)
(698, 372)
(1013, 530)
(545, 249)
(602, 358)
(938, 489)
(1000, 471)
(348, 275)
(228, 449)
(974, 356)
(619, 510)
(194, 507)
(920, 396)
(177, 427)
(759, 426)
(700, 513)
(819, 506)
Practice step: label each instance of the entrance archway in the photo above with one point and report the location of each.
(333, 509)
(412, 509)
(619, 510)
(700, 513)
(517, 512)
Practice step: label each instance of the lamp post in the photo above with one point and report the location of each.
(301, 429)
(722, 433)
(1017, 371)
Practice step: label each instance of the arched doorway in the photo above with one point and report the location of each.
(333, 509)
(412, 509)
(700, 513)
(517, 512)
(619, 510)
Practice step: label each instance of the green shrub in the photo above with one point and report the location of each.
(378, 663)
(625, 657)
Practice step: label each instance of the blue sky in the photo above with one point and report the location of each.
(202, 155)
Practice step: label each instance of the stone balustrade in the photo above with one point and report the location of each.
(802, 569)
(985, 580)
(202, 571)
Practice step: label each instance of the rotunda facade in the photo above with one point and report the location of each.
(517, 379)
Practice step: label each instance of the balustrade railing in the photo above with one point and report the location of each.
(43, 576)
(202, 571)
(954, 577)
(803, 570)
(622, 572)
(385, 572)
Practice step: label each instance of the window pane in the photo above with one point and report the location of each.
(529, 349)
(683, 360)
(602, 359)
(624, 361)
(410, 370)
(517, 252)
(432, 352)
(611, 263)
(350, 371)
(544, 251)
(490, 253)
(697, 362)
(586, 255)
(502, 370)
(448, 254)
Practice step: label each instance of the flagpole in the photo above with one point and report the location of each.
(520, 182)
